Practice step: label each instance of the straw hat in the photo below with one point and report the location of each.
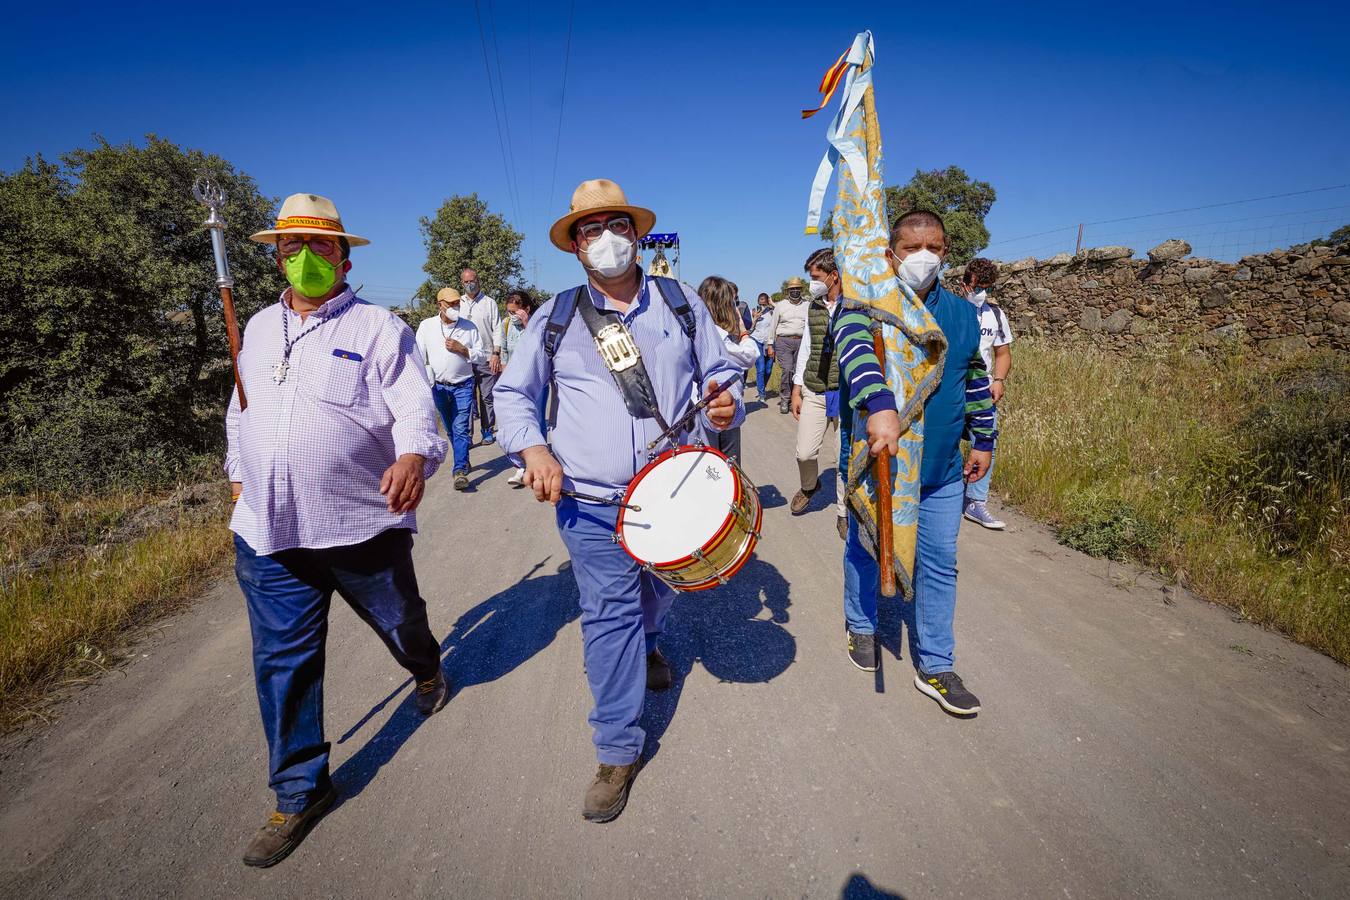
(795, 282)
(308, 214)
(447, 295)
(598, 195)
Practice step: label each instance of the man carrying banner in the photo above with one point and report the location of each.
(960, 402)
(906, 403)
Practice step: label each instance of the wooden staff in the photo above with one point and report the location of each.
(882, 470)
(210, 193)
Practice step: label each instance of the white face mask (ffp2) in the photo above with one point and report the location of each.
(609, 255)
(451, 313)
(919, 269)
(818, 289)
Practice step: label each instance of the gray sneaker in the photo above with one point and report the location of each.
(978, 513)
(862, 650)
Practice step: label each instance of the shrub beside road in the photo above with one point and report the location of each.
(1228, 473)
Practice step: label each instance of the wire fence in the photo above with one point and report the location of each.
(1213, 235)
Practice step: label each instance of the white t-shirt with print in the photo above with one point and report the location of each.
(994, 328)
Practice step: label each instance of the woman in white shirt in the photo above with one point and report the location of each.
(719, 295)
(519, 309)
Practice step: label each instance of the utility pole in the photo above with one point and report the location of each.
(1078, 248)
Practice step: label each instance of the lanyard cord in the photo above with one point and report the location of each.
(287, 343)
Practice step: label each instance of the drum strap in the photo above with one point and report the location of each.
(633, 382)
(560, 317)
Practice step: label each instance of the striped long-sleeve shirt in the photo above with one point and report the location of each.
(962, 402)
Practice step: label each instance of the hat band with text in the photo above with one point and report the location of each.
(308, 222)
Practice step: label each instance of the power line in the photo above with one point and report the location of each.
(496, 120)
(506, 111)
(562, 103)
(1169, 212)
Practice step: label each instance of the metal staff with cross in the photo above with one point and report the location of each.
(208, 192)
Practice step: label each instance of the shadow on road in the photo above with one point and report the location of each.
(860, 887)
(486, 643)
(723, 629)
(494, 466)
(770, 497)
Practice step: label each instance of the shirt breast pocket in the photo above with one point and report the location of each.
(341, 379)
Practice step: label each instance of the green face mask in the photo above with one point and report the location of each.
(310, 274)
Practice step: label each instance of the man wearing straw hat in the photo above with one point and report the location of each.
(597, 447)
(328, 464)
(451, 344)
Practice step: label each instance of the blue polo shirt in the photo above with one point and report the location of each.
(944, 415)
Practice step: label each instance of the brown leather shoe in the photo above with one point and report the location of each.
(659, 675)
(842, 525)
(608, 793)
(284, 832)
(800, 501)
(432, 694)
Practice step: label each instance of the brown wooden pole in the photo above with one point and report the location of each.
(882, 470)
(232, 330)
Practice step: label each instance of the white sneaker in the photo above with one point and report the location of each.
(517, 480)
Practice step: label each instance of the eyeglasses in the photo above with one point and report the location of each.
(620, 225)
(289, 246)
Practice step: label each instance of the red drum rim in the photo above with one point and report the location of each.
(646, 470)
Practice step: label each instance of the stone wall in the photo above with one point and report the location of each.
(1280, 302)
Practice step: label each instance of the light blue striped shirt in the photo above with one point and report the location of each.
(600, 446)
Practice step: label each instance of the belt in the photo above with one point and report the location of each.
(454, 383)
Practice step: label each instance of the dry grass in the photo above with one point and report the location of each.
(1184, 446)
(61, 619)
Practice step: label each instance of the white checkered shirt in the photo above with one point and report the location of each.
(311, 450)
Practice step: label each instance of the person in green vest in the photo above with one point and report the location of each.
(815, 385)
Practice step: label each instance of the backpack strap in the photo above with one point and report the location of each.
(673, 293)
(998, 318)
(564, 308)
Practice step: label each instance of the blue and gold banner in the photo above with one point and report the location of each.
(915, 346)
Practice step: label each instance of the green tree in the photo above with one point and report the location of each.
(1340, 235)
(951, 193)
(113, 357)
(465, 234)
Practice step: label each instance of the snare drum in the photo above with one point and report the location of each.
(699, 520)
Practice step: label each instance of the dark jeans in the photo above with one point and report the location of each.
(785, 350)
(288, 595)
(484, 381)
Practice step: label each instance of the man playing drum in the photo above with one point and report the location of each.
(598, 446)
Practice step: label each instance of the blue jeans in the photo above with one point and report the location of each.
(623, 611)
(934, 579)
(979, 490)
(455, 402)
(763, 369)
(288, 596)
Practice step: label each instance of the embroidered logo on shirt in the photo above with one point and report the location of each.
(348, 354)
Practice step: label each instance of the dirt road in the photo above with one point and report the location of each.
(1130, 746)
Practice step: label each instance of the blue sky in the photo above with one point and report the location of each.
(1074, 113)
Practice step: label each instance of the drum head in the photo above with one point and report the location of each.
(685, 502)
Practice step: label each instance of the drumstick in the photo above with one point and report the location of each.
(885, 548)
(682, 421)
(576, 495)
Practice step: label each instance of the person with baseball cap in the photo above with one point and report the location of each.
(451, 344)
(596, 446)
(328, 464)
